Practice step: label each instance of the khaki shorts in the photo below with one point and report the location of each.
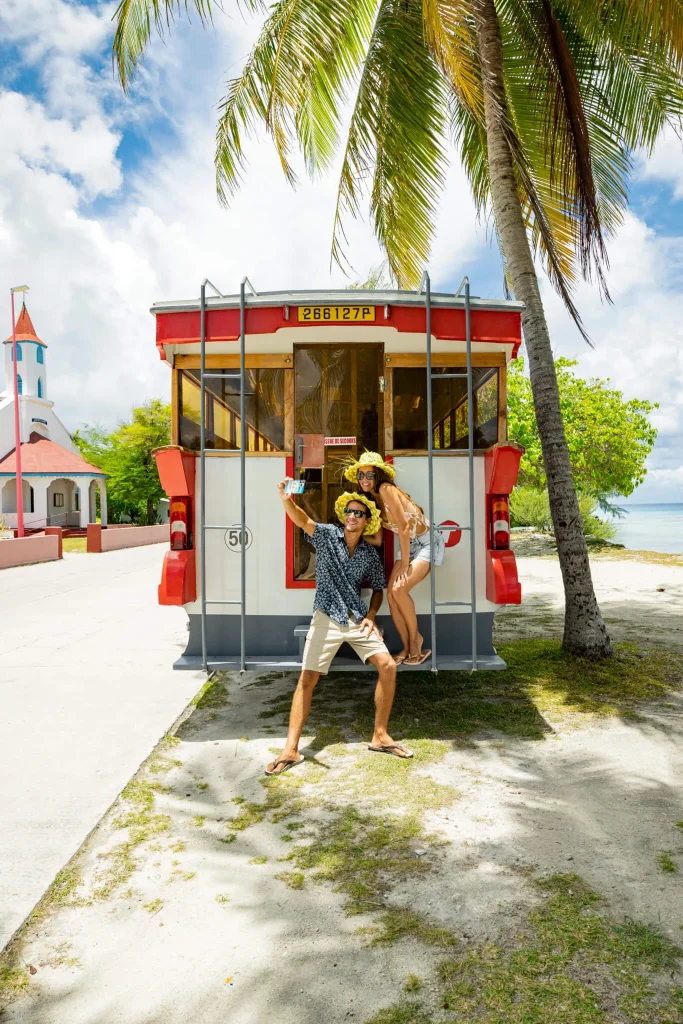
(325, 637)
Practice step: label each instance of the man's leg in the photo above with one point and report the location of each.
(384, 698)
(301, 706)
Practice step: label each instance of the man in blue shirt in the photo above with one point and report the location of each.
(344, 561)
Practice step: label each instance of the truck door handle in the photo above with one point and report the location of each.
(299, 450)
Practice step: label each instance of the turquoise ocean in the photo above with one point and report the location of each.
(652, 528)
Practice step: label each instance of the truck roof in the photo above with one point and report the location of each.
(340, 296)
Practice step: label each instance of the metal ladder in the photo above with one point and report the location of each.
(204, 527)
(425, 286)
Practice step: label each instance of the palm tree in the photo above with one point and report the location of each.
(545, 99)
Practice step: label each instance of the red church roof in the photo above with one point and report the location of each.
(25, 329)
(39, 455)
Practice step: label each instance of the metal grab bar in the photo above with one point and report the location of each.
(425, 285)
(204, 527)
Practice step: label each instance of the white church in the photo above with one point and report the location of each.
(59, 486)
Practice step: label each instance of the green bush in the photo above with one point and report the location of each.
(529, 507)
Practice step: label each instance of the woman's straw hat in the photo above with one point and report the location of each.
(373, 523)
(369, 459)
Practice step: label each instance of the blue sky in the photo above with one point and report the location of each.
(107, 204)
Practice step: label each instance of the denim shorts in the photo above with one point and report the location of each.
(420, 548)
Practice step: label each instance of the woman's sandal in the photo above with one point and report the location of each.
(391, 748)
(417, 659)
(399, 659)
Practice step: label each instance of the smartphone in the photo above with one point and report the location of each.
(295, 487)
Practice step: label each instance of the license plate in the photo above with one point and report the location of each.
(336, 314)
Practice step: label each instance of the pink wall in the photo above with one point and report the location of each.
(112, 540)
(27, 550)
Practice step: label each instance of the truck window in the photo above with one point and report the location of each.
(449, 408)
(265, 410)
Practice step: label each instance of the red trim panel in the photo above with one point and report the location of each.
(502, 583)
(176, 471)
(290, 582)
(502, 467)
(178, 578)
(223, 324)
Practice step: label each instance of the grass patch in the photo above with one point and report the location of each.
(60, 956)
(141, 823)
(75, 544)
(412, 983)
(666, 863)
(14, 980)
(202, 785)
(571, 964)
(227, 839)
(293, 879)
(258, 860)
(222, 897)
(398, 924)
(407, 1013)
(360, 853)
(153, 905)
(198, 821)
(213, 694)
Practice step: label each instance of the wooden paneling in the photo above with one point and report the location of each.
(289, 411)
(388, 410)
(175, 394)
(503, 404)
(444, 359)
(221, 453)
(231, 361)
(449, 452)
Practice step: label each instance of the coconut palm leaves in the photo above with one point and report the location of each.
(586, 81)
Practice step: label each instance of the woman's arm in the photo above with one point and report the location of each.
(296, 514)
(396, 513)
(376, 538)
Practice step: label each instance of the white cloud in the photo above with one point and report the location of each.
(94, 276)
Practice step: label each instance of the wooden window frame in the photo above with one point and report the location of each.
(275, 361)
(400, 360)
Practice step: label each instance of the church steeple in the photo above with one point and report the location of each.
(31, 361)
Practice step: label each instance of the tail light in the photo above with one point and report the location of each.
(500, 521)
(181, 523)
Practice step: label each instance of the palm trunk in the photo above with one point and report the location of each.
(584, 629)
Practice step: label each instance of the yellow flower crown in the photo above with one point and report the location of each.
(368, 459)
(374, 521)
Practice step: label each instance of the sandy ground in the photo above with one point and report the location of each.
(640, 602)
(600, 798)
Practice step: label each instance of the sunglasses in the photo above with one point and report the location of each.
(357, 512)
(367, 476)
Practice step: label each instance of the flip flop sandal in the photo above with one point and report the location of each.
(287, 763)
(417, 659)
(391, 748)
(399, 659)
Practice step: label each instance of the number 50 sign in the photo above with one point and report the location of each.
(233, 538)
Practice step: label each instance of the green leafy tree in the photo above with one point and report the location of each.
(608, 437)
(133, 487)
(545, 99)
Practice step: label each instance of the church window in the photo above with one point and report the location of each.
(77, 501)
(40, 388)
(19, 384)
(58, 500)
(39, 354)
(19, 355)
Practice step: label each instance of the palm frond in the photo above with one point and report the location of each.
(294, 82)
(396, 139)
(135, 20)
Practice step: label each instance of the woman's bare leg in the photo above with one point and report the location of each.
(419, 569)
(397, 618)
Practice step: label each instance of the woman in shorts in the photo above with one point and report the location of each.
(404, 517)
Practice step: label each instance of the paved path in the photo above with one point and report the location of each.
(86, 690)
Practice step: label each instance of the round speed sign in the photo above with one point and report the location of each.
(233, 538)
